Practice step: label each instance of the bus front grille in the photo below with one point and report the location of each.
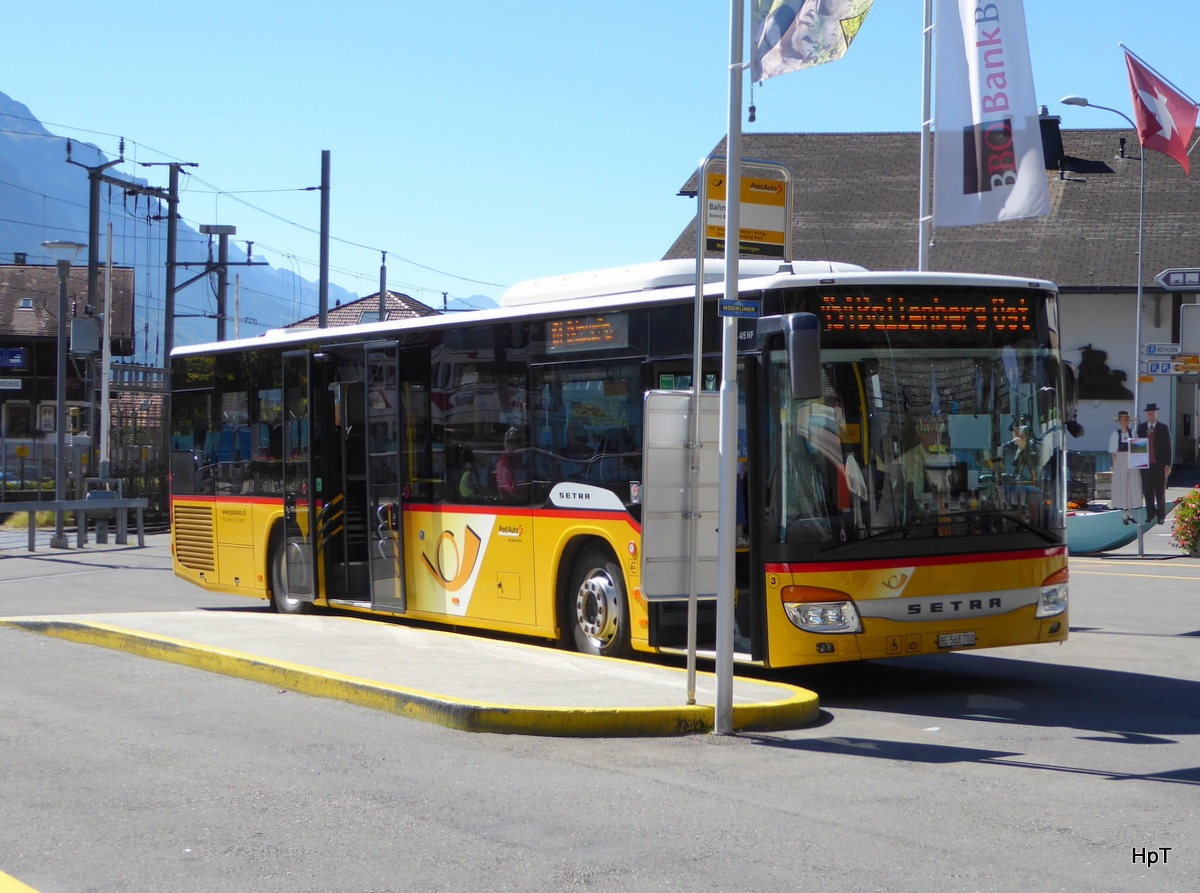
(194, 537)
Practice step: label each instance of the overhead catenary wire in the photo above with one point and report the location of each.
(234, 195)
(149, 278)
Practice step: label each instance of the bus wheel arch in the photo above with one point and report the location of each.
(593, 600)
(277, 550)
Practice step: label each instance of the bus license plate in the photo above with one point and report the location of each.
(956, 640)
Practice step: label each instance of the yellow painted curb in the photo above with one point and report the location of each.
(9, 884)
(798, 709)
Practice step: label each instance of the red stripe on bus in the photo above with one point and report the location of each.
(573, 514)
(239, 500)
(828, 566)
(440, 508)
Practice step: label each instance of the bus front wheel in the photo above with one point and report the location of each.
(281, 601)
(596, 607)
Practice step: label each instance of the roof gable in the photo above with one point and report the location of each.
(856, 200)
(29, 301)
(398, 306)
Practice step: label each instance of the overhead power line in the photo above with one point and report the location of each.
(235, 196)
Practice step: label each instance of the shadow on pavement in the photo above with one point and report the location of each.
(940, 754)
(1123, 707)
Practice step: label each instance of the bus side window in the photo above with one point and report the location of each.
(615, 460)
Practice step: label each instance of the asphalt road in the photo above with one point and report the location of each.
(1072, 767)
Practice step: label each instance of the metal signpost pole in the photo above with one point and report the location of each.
(106, 363)
(727, 443)
(59, 540)
(63, 253)
(694, 426)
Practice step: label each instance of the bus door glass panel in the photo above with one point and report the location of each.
(298, 485)
(748, 622)
(423, 480)
(347, 520)
(383, 436)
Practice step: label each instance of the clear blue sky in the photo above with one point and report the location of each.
(491, 141)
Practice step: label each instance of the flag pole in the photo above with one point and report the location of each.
(925, 219)
(1157, 74)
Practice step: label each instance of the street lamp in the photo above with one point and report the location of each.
(1137, 319)
(1137, 330)
(63, 253)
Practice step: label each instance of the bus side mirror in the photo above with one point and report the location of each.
(1071, 403)
(802, 340)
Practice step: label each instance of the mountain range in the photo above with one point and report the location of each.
(43, 198)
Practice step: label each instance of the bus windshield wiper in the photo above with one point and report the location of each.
(1025, 525)
(922, 529)
(902, 532)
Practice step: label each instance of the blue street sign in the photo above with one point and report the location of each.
(737, 307)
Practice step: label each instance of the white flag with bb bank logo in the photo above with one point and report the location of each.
(988, 162)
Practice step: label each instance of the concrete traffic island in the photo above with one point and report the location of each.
(462, 682)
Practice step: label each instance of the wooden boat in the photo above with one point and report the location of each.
(1100, 531)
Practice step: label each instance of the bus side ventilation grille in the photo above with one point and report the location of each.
(194, 537)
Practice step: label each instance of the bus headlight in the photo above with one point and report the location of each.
(817, 610)
(1053, 600)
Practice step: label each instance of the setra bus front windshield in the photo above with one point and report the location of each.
(960, 448)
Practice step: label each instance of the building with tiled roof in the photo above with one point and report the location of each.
(856, 199)
(29, 298)
(29, 302)
(397, 306)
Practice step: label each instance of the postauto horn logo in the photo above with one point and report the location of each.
(450, 566)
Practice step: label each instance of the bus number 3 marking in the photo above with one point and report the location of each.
(464, 564)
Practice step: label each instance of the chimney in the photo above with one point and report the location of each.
(1052, 144)
(20, 258)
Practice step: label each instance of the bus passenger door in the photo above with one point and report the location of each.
(384, 514)
(358, 540)
(298, 491)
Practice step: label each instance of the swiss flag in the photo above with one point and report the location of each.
(1165, 118)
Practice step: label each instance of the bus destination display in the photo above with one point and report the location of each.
(978, 313)
(587, 333)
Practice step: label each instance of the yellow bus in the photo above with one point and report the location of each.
(486, 470)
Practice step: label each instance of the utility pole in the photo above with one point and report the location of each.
(383, 288)
(323, 286)
(96, 176)
(220, 267)
(222, 233)
(168, 329)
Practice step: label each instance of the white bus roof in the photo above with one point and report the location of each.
(649, 276)
(649, 283)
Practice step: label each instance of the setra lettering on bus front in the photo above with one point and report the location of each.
(955, 605)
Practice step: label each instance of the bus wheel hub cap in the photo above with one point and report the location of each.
(596, 608)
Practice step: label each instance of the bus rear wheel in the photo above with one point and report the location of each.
(596, 607)
(281, 601)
